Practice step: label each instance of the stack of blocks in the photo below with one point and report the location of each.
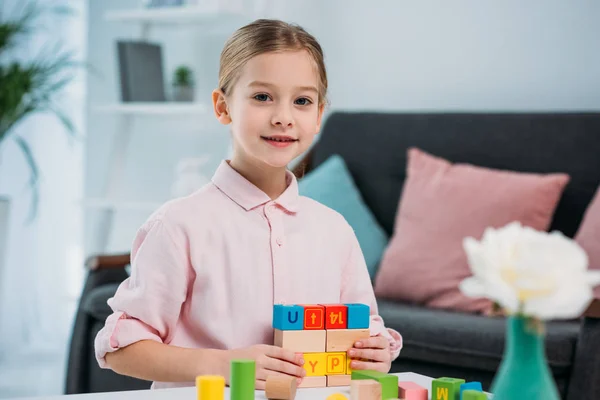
(322, 333)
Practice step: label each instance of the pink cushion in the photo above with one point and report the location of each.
(441, 204)
(588, 234)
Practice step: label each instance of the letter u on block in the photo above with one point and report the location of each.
(288, 317)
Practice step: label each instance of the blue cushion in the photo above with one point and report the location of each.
(332, 185)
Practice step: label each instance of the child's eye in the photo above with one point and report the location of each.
(303, 101)
(261, 97)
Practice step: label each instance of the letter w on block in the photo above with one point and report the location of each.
(441, 394)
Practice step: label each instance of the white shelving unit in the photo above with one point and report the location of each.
(110, 201)
(160, 109)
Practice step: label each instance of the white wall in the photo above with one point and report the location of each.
(43, 269)
(384, 55)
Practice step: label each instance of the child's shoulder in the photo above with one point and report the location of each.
(189, 209)
(322, 213)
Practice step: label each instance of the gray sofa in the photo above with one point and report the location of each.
(436, 342)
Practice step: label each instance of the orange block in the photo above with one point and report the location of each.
(314, 317)
(336, 316)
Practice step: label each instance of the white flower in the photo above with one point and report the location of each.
(538, 274)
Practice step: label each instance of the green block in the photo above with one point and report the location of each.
(473, 395)
(389, 383)
(446, 388)
(243, 377)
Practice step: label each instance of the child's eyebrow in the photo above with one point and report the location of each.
(270, 85)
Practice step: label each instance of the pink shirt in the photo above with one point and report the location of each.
(207, 269)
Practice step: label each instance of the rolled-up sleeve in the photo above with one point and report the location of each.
(357, 288)
(147, 304)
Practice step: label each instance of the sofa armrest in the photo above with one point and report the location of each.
(103, 261)
(101, 270)
(585, 373)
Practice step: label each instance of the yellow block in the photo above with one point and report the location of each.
(336, 363)
(348, 369)
(315, 364)
(337, 396)
(210, 387)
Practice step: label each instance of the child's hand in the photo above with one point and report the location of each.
(270, 360)
(372, 353)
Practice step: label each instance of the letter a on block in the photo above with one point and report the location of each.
(288, 317)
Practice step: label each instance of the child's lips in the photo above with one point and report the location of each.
(279, 141)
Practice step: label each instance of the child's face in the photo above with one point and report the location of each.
(274, 108)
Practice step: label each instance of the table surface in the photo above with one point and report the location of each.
(189, 393)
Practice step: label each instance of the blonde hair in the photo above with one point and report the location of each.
(263, 36)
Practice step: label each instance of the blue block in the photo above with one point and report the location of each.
(288, 317)
(358, 316)
(470, 386)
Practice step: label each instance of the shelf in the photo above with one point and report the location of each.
(172, 15)
(158, 108)
(110, 205)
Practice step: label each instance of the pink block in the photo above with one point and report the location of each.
(411, 391)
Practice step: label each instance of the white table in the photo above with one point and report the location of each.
(189, 393)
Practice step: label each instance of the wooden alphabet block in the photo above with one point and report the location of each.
(348, 369)
(336, 316)
(473, 395)
(281, 387)
(358, 316)
(314, 317)
(313, 382)
(315, 364)
(301, 341)
(338, 380)
(336, 363)
(344, 339)
(365, 389)
(210, 387)
(446, 388)
(288, 317)
(412, 391)
(389, 383)
(470, 386)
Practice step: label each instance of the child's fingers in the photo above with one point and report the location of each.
(374, 366)
(285, 355)
(285, 367)
(374, 342)
(369, 354)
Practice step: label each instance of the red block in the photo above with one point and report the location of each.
(336, 316)
(314, 317)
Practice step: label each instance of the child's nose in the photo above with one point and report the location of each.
(282, 117)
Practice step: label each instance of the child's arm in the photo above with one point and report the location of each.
(153, 361)
(136, 338)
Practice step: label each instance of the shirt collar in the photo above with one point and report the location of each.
(247, 195)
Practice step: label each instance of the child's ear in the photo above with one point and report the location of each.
(320, 117)
(220, 107)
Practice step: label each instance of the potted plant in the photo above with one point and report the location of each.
(30, 86)
(183, 84)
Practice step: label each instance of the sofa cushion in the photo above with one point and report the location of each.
(331, 184)
(374, 146)
(467, 340)
(588, 235)
(95, 303)
(442, 203)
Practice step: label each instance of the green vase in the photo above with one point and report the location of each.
(524, 373)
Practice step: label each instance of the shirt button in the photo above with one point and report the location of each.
(279, 241)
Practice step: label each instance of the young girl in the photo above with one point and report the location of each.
(208, 268)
